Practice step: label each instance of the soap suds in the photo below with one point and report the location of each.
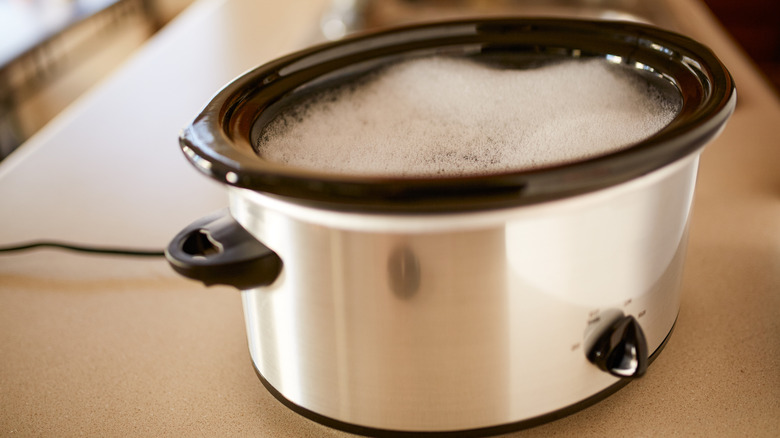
(449, 117)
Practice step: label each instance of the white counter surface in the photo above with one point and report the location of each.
(112, 346)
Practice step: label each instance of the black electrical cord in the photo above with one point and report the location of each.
(82, 248)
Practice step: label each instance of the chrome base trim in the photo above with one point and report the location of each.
(480, 432)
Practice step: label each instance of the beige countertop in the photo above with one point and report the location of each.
(116, 346)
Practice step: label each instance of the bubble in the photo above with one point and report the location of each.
(442, 116)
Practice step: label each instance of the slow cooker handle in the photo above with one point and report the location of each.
(218, 250)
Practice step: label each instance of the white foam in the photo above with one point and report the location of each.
(448, 116)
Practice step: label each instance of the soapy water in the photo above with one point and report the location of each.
(441, 116)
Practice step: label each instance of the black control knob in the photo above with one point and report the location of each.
(621, 349)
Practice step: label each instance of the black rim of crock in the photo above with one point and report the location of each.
(218, 142)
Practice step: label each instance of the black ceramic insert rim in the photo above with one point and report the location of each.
(219, 141)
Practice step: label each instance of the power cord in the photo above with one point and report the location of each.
(82, 248)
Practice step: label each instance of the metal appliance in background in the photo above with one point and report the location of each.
(343, 17)
(480, 303)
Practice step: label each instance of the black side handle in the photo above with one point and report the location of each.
(217, 250)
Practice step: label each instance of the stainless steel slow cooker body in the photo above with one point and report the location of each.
(451, 304)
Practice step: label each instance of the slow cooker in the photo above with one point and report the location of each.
(456, 304)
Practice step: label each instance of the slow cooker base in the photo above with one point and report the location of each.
(480, 432)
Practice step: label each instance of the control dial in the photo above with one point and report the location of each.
(621, 349)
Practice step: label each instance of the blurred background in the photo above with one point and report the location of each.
(755, 25)
(52, 51)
